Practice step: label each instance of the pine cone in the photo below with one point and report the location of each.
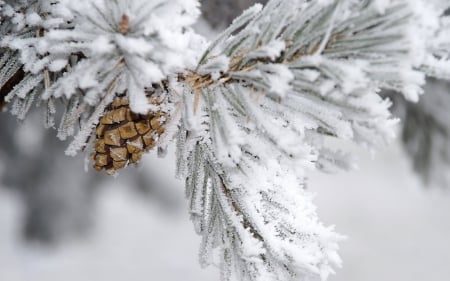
(123, 136)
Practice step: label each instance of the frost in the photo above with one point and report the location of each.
(136, 36)
(252, 112)
(272, 50)
(57, 65)
(298, 73)
(215, 66)
(279, 78)
(33, 19)
(381, 5)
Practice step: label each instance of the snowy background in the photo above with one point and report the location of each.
(396, 230)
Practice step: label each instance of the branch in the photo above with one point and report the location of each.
(255, 216)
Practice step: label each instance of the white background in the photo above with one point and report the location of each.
(396, 231)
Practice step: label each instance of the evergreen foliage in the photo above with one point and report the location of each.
(251, 111)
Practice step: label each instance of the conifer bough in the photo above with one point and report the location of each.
(250, 111)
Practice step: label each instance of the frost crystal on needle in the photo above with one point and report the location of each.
(118, 45)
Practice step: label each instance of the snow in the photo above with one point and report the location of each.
(352, 110)
(272, 50)
(396, 231)
(156, 42)
(134, 239)
(354, 63)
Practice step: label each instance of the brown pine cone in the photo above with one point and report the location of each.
(123, 136)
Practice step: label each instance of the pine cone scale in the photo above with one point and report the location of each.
(128, 131)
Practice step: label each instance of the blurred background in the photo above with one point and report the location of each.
(58, 222)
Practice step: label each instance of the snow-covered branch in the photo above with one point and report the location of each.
(260, 106)
(252, 114)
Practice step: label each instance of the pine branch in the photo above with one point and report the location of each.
(80, 49)
(12, 77)
(262, 229)
(310, 75)
(23, 21)
(264, 99)
(256, 112)
(113, 38)
(437, 60)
